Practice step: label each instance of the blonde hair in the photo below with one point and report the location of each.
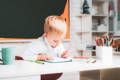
(55, 24)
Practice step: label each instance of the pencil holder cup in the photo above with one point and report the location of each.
(104, 53)
(8, 55)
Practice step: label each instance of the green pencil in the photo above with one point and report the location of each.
(39, 62)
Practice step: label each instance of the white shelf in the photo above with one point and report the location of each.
(100, 0)
(80, 33)
(84, 15)
(94, 32)
(87, 50)
(100, 15)
(93, 23)
(99, 31)
(111, 31)
(111, 16)
(116, 52)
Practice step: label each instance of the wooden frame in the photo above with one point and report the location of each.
(67, 18)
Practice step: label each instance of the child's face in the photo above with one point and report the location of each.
(54, 39)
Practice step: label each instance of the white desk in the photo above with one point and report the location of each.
(23, 70)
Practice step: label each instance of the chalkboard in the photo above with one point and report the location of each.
(25, 18)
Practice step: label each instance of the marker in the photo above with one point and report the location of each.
(110, 41)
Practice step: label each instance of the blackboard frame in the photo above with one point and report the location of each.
(65, 15)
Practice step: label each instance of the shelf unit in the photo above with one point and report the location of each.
(100, 22)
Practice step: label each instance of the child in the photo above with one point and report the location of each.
(49, 45)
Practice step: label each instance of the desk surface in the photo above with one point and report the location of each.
(25, 68)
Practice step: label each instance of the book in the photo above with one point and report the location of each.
(59, 60)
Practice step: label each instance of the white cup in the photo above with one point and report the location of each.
(104, 53)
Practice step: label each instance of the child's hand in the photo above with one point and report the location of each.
(44, 57)
(65, 54)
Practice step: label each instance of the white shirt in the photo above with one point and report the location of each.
(41, 45)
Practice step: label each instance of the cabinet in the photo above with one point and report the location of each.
(100, 22)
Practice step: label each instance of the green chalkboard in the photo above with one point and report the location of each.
(25, 18)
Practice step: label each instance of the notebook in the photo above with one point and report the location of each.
(59, 60)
